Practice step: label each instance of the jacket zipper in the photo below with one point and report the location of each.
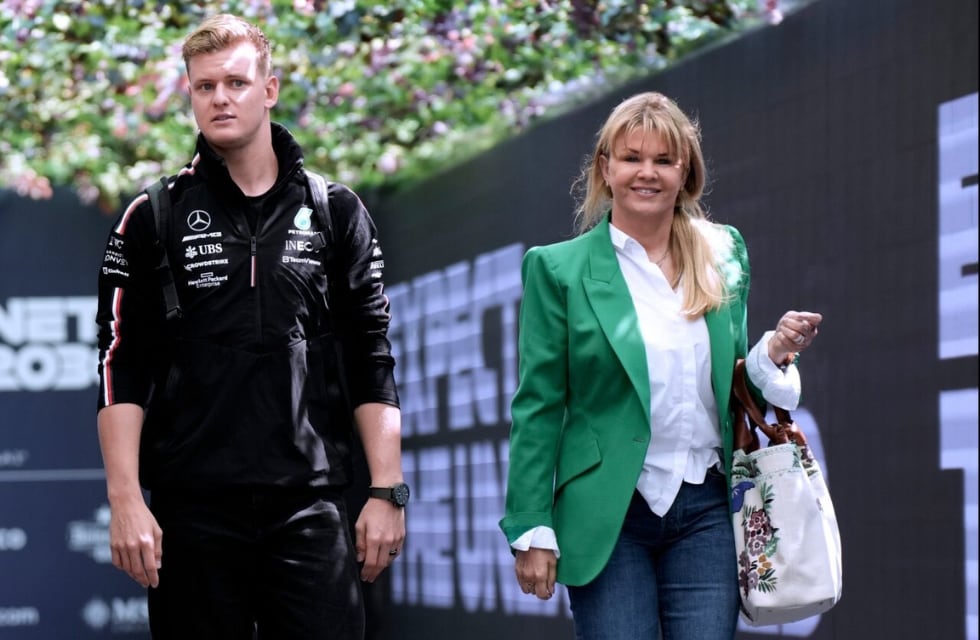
(252, 264)
(254, 284)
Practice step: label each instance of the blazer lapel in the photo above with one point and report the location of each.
(612, 305)
(719, 324)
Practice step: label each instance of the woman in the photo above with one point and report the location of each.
(621, 432)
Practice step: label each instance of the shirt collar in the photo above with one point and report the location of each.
(624, 243)
(619, 237)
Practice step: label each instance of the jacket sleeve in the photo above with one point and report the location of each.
(359, 306)
(538, 406)
(130, 308)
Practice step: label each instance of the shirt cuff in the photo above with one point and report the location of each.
(779, 386)
(538, 537)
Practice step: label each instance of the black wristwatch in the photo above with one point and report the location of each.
(395, 494)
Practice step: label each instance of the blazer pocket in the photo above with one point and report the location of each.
(578, 452)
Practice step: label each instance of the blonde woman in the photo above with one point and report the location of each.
(621, 430)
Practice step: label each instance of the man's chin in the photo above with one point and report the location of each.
(221, 137)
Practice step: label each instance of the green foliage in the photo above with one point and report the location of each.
(377, 93)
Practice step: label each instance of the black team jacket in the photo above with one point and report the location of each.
(254, 384)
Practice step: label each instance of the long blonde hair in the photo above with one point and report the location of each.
(694, 240)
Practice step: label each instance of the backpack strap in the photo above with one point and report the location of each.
(319, 189)
(159, 194)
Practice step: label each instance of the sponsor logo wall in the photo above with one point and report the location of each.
(842, 143)
(56, 579)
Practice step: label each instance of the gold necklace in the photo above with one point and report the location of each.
(663, 257)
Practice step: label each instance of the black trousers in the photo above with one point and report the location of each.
(255, 564)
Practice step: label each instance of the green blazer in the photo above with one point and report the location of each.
(581, 413)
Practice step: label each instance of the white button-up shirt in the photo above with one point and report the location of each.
(684, 434)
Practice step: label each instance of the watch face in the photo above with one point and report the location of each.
(399, 494)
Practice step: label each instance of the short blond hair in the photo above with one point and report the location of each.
(220, 32)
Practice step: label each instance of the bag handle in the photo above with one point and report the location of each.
(743, 404)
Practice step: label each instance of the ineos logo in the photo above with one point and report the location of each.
(199, 220)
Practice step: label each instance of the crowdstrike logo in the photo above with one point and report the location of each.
(199, 220)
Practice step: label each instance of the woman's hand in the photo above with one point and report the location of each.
(536, 571)
(795, 332)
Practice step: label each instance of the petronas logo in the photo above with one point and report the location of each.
(302, 219)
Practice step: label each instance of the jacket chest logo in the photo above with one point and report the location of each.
(194, 251)
(302, 219)
(199, 220)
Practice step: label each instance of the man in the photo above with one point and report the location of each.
(236, 413)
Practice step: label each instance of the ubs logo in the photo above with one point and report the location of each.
(199, 220)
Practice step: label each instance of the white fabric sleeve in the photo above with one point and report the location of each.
(540, 537)
(780, 386)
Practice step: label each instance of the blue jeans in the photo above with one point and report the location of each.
(673, 577)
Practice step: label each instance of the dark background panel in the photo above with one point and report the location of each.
(57, 574)
(56, 581)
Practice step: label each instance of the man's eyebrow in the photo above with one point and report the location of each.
(218, 79)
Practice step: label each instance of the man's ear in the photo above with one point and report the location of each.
(271, 91)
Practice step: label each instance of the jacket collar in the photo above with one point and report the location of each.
(212, 166)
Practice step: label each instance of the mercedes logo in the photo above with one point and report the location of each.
(199, 220)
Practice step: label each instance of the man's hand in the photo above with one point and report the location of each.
(136, 541)
(380, 534)
(135, 537)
